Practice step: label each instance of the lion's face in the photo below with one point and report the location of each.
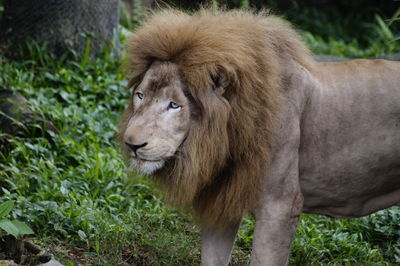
(159, 118)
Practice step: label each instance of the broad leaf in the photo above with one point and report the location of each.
(6, 207)
(23, 229)
(15, 228)
(9, 227)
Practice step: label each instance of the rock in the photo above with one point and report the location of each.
(332, 58)
(52, 262)
(329, 58)
(21, 252)
(7, 263)
(393, 57)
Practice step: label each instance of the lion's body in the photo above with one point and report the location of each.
(349, 157)
(271, 131)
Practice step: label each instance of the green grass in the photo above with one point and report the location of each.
(76, 194)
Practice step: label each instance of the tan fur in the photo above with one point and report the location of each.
(220, 165)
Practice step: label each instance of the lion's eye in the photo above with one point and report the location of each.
(139, 95)
(173, 105)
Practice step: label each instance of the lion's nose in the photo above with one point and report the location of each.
(134, 147)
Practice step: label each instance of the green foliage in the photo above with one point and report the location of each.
(12, 227)
(74, 188)
(341, 32)
(394, 19)
(1, 8)
(382, 38)
(374, 239)
(133, 18)
(350, 49)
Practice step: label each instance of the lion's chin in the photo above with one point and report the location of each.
(146, 167)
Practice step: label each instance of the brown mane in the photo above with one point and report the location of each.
(220, 166)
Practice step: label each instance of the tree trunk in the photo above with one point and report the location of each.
(61, 24)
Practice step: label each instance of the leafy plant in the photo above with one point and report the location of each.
(395, 19)
(12, 227)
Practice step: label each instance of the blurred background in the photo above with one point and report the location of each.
(62, 91)
(64, 25)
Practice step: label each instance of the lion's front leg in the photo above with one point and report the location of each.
(281, 202)
(274, 230)
(216, 245)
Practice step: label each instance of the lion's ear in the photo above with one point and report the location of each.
(219, 84)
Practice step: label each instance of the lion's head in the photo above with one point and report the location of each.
(160, 118)
(205, 98)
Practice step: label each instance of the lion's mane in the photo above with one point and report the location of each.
(220, 166)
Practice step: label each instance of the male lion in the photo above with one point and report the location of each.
(231, 115)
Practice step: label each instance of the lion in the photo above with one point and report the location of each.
(231, 115)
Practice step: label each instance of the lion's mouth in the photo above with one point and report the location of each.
(141, 159)
(146, 166)
(144, 160)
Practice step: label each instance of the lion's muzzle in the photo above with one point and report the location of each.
(135, 147)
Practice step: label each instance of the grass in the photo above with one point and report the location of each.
(75, 193)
